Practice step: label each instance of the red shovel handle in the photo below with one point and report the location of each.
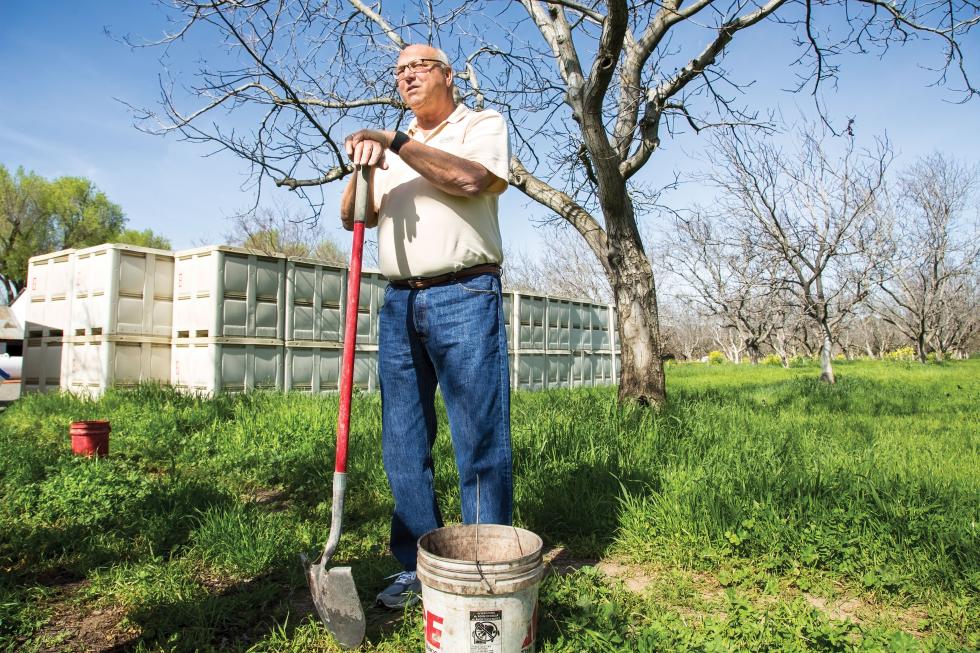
(350, 326)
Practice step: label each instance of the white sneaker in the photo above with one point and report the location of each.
(406, 590)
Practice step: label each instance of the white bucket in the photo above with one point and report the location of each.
(10, 367)
(480, 588)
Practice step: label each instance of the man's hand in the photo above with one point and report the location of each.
(367, 147)
(347, 203)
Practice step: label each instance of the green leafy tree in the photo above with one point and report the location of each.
(22, 220)
(81, 214)
(39, 216)
(145, 238)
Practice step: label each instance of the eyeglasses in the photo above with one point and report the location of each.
(416, 66)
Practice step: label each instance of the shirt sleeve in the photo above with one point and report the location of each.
(486, 142)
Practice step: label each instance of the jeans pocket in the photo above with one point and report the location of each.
(484, 284)
(385, 296)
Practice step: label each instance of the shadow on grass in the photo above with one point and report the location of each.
(577, 506)
(234, 617)
(229, 617)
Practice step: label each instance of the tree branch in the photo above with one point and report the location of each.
(382, 23)
(658, 96)
(607, 56)
(564, 206)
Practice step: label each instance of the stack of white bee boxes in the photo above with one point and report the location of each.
(531, 339)
(316, 299)
(370, 300)
(121, 315)
(560, 356)
(228, 328)
(559, 343)
(49, 283)
(218, 319)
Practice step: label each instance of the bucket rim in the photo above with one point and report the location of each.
(535, 554)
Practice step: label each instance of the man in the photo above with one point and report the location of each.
(434, 201)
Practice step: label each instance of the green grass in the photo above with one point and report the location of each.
(761, 510)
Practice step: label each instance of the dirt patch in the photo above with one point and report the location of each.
(272, 500)
(867, 611)
(841, 609)
(634, 578)
(911, 619)
(703, 594)
(64, 580)
(558, 561)
(77, 628)
(215, 584)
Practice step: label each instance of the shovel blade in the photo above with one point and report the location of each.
(336, 601)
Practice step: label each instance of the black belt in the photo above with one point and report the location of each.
(417, 283)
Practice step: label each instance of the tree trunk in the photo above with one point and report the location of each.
(805, 341)
(638, 327)
(920, 347)
(826, 349)
(11, 288)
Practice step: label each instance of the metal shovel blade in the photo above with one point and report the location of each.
(336, 601)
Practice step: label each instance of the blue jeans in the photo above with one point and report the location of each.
(452, 335)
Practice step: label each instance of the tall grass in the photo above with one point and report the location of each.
(761, 477)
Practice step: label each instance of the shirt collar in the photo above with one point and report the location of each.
(458, 114)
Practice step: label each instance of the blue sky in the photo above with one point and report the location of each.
(62, 74)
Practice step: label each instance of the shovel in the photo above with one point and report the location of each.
(334, 592)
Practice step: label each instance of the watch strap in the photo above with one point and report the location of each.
(400, 139)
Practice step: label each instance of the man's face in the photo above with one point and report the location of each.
(430, 83)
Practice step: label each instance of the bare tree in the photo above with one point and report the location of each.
(731, 279)
(815, 212)
(275, 231)
(560, 268)
(686, 331)
(959, 325)
(729, 340)
(873, 334)
(790, 328)
(590, 88)
(930, 266)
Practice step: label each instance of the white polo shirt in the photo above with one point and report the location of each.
(425, 232)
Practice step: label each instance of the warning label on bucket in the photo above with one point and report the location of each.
(485, 631)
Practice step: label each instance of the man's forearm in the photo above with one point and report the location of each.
(448, 172)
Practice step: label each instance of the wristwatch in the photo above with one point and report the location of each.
(400, 139)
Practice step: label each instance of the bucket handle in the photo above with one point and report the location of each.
(476, 555)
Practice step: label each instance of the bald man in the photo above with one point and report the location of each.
(434, 201)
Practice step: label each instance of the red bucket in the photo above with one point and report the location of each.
(90, 438)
